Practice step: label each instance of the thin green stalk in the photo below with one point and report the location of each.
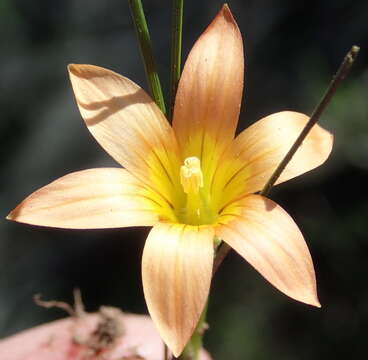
(194, 345)
(176, 45)
(145, 45)
(341, 74)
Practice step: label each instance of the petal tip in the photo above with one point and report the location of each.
(86, 71)
(74, 68)
(177, 350)
(17, 214)
(310, 299)
(324, 144)
(312, 302)
(316, 303)
(9, 216)
(226, 12)
(14, 214)
(226, 15)
(331, 139)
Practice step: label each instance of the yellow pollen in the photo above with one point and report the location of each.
(191, 176)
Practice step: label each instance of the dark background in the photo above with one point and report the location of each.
(292, 49)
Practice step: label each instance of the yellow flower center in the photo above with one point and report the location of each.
(197, 210)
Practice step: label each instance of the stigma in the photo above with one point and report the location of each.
(191, 176)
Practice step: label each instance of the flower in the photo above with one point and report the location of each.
(192, 182)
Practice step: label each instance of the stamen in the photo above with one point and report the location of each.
(191, 176)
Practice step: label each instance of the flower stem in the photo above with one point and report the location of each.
(166, 352)
(194, 345)
(340, 75)
(176, 45)
(145, 45)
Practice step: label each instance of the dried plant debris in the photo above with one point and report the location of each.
(98, 343)
(108, 330)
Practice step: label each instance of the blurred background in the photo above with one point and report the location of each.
(292, 50)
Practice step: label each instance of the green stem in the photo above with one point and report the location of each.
(145, 45)
(340, 75)
(176, 45)
(194, 345)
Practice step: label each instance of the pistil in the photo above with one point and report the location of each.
(191, 179)
(191, 176)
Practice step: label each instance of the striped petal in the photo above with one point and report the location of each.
(209, 93)
(90, 199)
(259, 149)
(176, 271)
(128, 125)
(267, 237)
